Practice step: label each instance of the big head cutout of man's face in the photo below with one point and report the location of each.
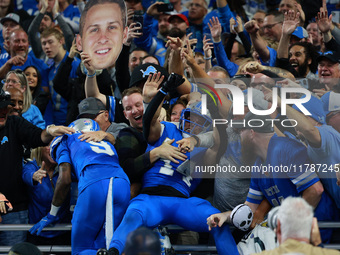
(102, 31)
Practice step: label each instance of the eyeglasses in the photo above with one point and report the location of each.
(196, 5)
(331, 115)
(270, 26)
(10, 81)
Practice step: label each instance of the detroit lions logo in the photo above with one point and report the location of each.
(4, 139)
(149, 70)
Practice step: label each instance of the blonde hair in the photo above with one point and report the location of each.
(37, 155)
(24, 84)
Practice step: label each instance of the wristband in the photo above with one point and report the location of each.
(48, 127)
(54, 210)
(207, 58)
(162, 91)
(91, 75)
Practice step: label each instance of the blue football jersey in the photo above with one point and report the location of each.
(287, 174)
(163, 171)
(81, 154)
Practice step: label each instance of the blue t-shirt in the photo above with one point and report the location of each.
(34, 116)
(32, 61)
(272, 58)
(81, 154)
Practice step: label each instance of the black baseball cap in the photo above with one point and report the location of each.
(90, 107)
(330, 55)
(141, 73)
(258, 123)
(142, 241)
(25, 248)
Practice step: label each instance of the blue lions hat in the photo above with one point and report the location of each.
(331, 102)
(300, 32)
(315, 107)
(142, 72)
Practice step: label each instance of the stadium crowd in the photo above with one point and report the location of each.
(107, 107)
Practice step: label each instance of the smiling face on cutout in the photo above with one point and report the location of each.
(102, 34)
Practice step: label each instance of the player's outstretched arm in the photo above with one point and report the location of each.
(61, 190)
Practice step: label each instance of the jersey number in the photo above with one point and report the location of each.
(167, 170)
(102, 147)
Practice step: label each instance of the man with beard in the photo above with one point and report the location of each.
(272, 160)
(178, 26)
(302, 58)
(298, 58)
(154, 45)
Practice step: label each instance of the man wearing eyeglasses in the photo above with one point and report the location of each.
(272, 29)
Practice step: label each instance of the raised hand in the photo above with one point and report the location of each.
(174, 43)
(40, 173)
(42, 6)
(207, 46)
(251, 27)
(151, 86)
(86, 59)
(132, 33)
(291, 21)
(73, 49)
(187, 55)
(324, 22)
(55, 8)
(215, 29)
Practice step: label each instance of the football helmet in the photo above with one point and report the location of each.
(192, 122)
(84, 125)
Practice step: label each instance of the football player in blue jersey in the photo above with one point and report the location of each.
(165, 196)
(104, 188)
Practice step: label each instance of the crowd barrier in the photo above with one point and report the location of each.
(177, 248)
